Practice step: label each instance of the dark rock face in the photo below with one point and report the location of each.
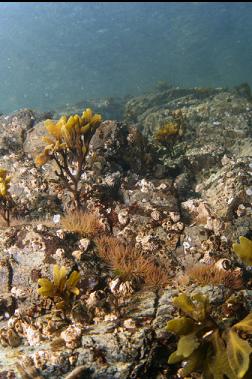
(123, 147)
(215, 123)
(136, 107)
(178, 204)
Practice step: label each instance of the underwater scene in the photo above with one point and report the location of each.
(125, 190)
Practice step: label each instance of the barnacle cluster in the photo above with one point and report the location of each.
(68, 145)
(6, 201)
(62, 286)
(216, 349)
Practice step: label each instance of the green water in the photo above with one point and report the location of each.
(58, 53)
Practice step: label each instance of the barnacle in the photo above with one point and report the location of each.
(61, 286)
(244, 250)
(215, 350)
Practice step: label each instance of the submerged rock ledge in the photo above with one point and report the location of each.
(178, 203)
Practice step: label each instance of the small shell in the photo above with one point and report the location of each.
(40, 359)
(126, 289)
(129, 324)
(32, 335)
(223, 264)
(56, 218)
(77, 254)
(123, 217)
(114, 284)
(84, 244)
(96, 299)
(155, 215)
(9, 337)
(175, 217)
(72, 336)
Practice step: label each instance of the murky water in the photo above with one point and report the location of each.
(58, 53)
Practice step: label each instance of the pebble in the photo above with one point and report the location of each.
(56, 219)
(249, 191)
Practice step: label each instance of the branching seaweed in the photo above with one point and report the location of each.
(61, 288)
(215, 349)
(244, 250)
(6, 201)
(68, 145)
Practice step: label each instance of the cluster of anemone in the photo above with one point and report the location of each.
(84, 223)
(129, 263)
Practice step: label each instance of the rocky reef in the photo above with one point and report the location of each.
(169, 187)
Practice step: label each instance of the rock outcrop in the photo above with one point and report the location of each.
(178, 204)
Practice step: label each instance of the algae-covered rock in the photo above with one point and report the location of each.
(228, 188)
(178, 202)
(215, 121)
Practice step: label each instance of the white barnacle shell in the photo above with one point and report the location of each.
(72, 336)
(56, 219)
(223, 264)
(32, 335)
